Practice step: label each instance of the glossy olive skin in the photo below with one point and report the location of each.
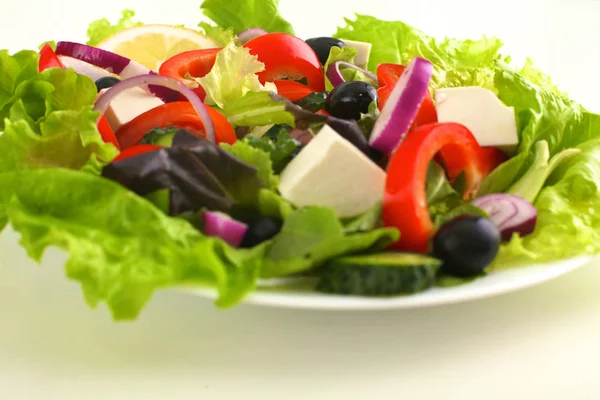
(106, 82)
(350, 99)
(466, 245)
(260, 231)
(322, 46)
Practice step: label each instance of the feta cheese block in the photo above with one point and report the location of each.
(128, 105)
(491, 122)
(363, 52)
(332, 172)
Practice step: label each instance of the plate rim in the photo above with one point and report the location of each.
(434, 297)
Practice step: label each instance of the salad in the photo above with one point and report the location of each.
(378, 161)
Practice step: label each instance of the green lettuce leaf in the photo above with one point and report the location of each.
(257, 109)
(311, 236)
(314, 102)
(456, 62)
(568, 214)
(14, 70)
(68, 139)
(220, 35)
(102, 29)
(278, 144)
(121, 248)
(271, 204)
(244, 14)
(542, 114)
(368, 221)
(338, 54)
(51, 124)
(232, 76)
(256, 157)
(443, 201)
(346, 54)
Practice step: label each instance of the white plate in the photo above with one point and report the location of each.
(298, 294)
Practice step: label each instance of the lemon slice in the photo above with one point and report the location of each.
(151, 45)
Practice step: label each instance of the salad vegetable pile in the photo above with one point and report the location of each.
(379, 161)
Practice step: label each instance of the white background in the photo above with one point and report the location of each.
(542, 342)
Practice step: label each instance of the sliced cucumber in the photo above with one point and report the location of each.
(384, 274)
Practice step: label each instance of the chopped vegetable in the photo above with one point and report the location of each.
(511, 214)
(467, 245)
(402, 107)
(300, 62)
(224, 227)
(179, 114)
(163, 81)
(379, 275)
(404, 205)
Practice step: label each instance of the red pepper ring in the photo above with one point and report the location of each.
(405, 201)
(197, 63)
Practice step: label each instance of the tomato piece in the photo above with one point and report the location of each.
(388, 75)
(135, 151)
(286, 56)
(197, 63)
(106, 132)
(180, 114)
(48, 59)
(405, 200)
(292, 90)
(323, 112)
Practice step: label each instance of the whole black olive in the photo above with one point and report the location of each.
(350, 99)
(466, 245)
(260, 231)
(322, 46)
(106, 82)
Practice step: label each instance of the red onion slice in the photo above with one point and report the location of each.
(113, 63)
(510, 213)
(162, 81)
(83, 68)
(220, 225)
(249, 34)
(334, 73)
(402, 106)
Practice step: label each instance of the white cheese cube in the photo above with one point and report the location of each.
(332, 172)
(363, 49)
(479, 109)
(128, 105)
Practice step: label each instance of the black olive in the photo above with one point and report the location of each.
(260, 231)
(350, 99)
(466, 245)
(322, 46)
(106, 82)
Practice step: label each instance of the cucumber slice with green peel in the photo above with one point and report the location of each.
(379, 275)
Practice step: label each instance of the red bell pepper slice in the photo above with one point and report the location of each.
(135, 151)
(180, 114)
(106, 132)
(405, 202)
(292, 90)
(48, 59)
(197, 63)
(488, 159)
(388, 75)
(286, 56)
